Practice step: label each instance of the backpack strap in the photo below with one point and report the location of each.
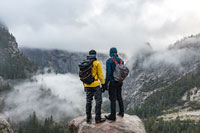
(116, 61)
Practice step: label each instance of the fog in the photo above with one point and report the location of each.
(180, 55)
(59, 95)
(100, 24)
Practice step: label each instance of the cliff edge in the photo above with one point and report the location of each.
(127, 124)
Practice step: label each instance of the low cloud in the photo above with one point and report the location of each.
(181, 56)
(175, 58)
(100, 24)
(59, 95)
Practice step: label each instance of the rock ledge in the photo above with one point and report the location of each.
(128, 124)
(5, 126)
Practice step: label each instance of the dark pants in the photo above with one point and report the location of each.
(115, 94)
(97, 94)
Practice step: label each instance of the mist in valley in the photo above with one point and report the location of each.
(58, 95)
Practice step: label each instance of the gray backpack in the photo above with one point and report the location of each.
(120, 72)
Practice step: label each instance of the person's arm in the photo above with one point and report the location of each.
(100, 73)
(108, 71)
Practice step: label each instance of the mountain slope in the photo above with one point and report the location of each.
(59, 60)
(13, 64)
(155, 70)
(170, 96)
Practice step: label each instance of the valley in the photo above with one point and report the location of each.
(163, 86)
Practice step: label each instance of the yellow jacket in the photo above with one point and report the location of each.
(97, 73)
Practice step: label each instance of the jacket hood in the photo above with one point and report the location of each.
(113, 52)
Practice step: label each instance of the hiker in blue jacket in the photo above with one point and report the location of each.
(115, 87)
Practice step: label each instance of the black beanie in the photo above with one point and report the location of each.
(92, 52)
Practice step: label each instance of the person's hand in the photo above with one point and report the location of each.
(104, 87)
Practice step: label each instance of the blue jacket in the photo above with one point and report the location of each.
(110, 65)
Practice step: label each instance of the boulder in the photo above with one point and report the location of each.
(127, 124)
(5, 126)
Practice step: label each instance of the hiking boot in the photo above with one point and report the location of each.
(110, 118)
(120, 114)
(89, 121)
(100, 120)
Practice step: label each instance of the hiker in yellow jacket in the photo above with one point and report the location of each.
(94, 89)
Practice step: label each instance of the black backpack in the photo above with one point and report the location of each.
(85, 71)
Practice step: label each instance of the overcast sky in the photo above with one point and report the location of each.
(80, 25)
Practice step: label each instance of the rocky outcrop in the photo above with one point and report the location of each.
(5, 126)
(128, 124)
